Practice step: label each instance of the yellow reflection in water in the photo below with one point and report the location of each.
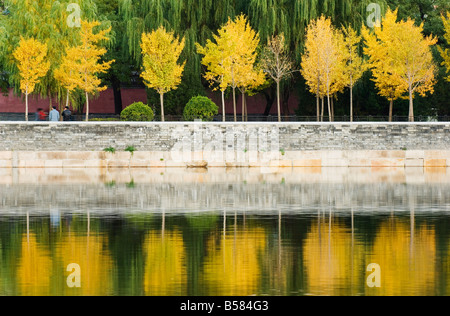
(165, 271)
(92, 255)
(406, 257)
(232, 266)
(35, 268)
(333, 259)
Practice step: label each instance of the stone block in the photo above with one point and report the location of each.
(307, 163)
(388, 162)
(414, 162)
(431, 163)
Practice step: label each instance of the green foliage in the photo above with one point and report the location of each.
(130, 149)
(137, 112)
(200, 108)
(111, 150)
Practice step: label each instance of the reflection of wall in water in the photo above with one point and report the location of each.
(237, 196)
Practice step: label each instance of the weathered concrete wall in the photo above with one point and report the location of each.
(75, 144)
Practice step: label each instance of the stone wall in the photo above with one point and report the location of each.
(74, 144)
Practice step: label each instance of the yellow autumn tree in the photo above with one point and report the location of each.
(399, 52)
(446, 53)
(30, 56)
(81, 64)
(217, 62)
(321, 60)
(161, 71)
(353, 64)
(64, 75)
(246, 74)
(235, 61)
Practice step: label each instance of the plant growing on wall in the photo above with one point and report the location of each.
(30, 56)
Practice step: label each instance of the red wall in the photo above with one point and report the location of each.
(104, 104)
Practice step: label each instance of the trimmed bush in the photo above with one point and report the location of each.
(201, 108)
(137, 112)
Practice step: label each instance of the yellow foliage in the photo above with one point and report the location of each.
(91, 254)
(34, 269)
(165, 264)
(353, 66)
(405, 259)
(333, 262)
(446, 53)
(232, 267)
(30, 56)
(161, 51)
(320, 61)
(80, 66)
(400, 58)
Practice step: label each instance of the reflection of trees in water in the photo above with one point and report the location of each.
(240, 254)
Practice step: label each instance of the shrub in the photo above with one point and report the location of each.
(201, 108)
(137, 112)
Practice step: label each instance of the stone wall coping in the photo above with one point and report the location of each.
(227, 123)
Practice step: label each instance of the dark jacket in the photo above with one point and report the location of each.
(67, 114)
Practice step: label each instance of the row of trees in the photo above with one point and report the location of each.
(254, 55)
(399, 57)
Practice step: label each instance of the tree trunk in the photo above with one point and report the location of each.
(26, 105)
(234, 104)
(321, 113)
(318, 107)
(411, 106)
(67, 97)
(329, 107)
(223, 105)
(246, 109)
(278, 101)
(391, 106)
(332, 108)
(328, 99)
(87, 107)
(117, 95)
(351, 103)
(243, 107)
(161, 98)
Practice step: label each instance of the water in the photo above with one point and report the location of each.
(288, 232)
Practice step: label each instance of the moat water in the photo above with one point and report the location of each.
(177, 232)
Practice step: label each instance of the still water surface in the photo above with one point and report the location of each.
(224, 232)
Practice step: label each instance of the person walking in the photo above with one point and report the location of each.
(67, 114)
(53, 116)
